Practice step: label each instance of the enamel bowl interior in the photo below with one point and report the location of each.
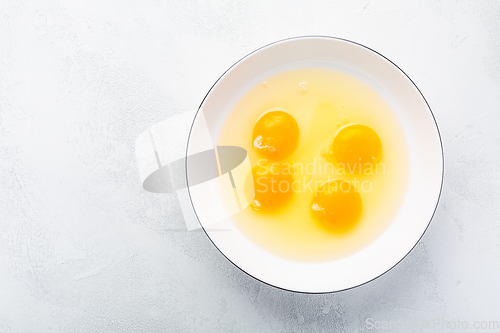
(424, 148)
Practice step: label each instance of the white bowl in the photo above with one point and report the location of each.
(424, 146)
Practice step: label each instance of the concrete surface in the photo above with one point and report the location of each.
(83, 248)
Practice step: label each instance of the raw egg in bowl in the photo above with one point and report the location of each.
(346, 164)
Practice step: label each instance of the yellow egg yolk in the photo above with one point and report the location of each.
(275, 135)
(272, 185)
(337, 205)
(357, 147)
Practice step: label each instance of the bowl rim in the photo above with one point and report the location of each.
(421, 95)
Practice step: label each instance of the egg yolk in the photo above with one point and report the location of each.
(275, 135)
(272, 186)
(337, 205)
(357, 147)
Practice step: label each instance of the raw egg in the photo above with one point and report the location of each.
(316, 119)
(272, 186)
(275, 135)
(357, 147)
(337, 205)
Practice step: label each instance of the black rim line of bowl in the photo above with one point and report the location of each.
(440, 142)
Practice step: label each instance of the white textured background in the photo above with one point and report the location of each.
(83, 248)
